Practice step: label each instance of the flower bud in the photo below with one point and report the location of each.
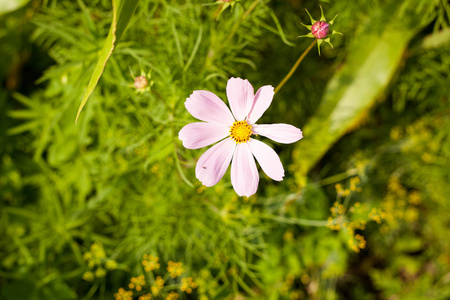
(320, 29)
(141, 82)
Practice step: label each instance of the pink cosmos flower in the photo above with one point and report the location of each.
(234, 130)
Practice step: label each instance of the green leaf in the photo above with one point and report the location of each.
(11, 5)
(122, 12)
(373, 59)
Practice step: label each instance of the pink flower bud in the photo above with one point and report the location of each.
(140, 82)
(320, 29)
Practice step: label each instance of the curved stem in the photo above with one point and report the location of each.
(297, 63)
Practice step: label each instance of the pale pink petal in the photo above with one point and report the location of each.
(263, 98)
(201, 134)
(268, 159)
(207, 107)
(214, 162)
(244, 175)
(240, 96)
(281, 133)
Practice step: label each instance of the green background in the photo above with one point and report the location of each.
(375, 108)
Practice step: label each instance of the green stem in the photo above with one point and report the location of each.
(280, 219)
(234, 29)
(338, 177)
(242, 18)
(297, 63)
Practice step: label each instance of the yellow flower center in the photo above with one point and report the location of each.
(240, 132)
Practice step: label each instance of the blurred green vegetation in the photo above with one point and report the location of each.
(109, 208)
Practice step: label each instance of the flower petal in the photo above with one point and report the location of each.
(244, 175)
(201, 134)
(281, 133)
(206, 106)
(263, 98)
(214, 162)
(268, 159)
(240, 96)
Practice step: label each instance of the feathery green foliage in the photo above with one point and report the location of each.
(86, 209)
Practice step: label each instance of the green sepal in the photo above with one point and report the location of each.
(327, 40)
(307, 26)
(319, 42)
(322, 17)
(312, 20)
(335, 32)
(309, 35)
(332, 21)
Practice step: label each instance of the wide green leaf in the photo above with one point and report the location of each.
(122, 13)
(7, 6)
(375, 55)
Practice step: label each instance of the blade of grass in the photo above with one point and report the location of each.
(122, 13)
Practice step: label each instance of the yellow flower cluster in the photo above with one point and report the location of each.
(339, 220)
(97, 262)
(357, 243)
(187, 284)
(175, 269)
(377, 215)
(396, 133)
(155, 289)
(172, 296)
(95, 255)
(137, 283)
(159, 284)
(399, 205)
(123, 295)
(354, 184)
(337, 217)
(354, 187)
(150, 262)
(341, 191)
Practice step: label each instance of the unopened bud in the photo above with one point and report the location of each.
(320, 29)
(141, 82)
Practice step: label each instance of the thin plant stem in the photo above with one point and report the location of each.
(304, 222)
(297, 63)
(236, 26)
(242, 18)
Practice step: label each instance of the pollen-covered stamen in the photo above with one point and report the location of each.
(240, 132)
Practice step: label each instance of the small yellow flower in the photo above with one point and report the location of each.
(357, 243)
(354, 184)
(159, 284)
(97, 250)
(172, 296)
(187, 284)
(137, 283)
(377, 215)
(175, 269)
(145, 297)
(88, 276)
(415, 198)
(123, 295)
(150, 262)
(100, 273)
(111, 264)
(87, 256)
